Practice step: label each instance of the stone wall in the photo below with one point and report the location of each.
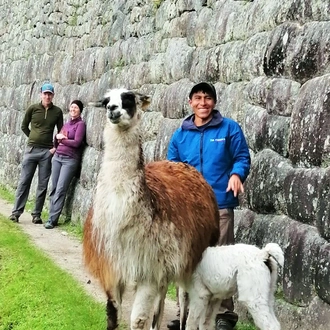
(270, 63)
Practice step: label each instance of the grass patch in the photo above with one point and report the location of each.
(6, 194)
(73, 229)
(244, 326)
(171, 292)
(35, 293)
(9, 196)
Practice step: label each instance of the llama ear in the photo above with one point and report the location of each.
(144, 100)
(101, 103)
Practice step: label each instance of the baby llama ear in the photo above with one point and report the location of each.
(143, 100)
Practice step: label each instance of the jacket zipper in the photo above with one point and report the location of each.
(46, 112)
(201, 151)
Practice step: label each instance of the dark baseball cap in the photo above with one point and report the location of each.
(204, 87)
(47, 88)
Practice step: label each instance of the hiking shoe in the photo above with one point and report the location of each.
(222, 324)
(14, 218)
(174, 325)
(36, 220)
(49, 225)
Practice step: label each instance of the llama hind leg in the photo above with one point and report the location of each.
(183, 306)
(262, 315)
(256, 296)
(159, 309)
(143, 306)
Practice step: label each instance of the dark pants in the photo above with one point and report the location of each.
(227, 238)
(63, 171)
(33, 157)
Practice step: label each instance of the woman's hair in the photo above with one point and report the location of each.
(79, 104)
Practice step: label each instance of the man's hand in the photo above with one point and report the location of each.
(235, 184)
(52, 150)
(60, 136)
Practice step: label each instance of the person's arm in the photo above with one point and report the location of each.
(59, 123)
(78, 137)
(26, 121)
(172, 152)
(241, 161)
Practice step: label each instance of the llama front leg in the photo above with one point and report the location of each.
(207, 320)
(112, 314)
(143, 306)
(113, 307)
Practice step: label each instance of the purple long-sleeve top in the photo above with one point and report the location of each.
(75, 131)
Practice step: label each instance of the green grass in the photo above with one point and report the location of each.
(244, 326)
(35, 293)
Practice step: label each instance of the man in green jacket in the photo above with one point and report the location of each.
(38, 125)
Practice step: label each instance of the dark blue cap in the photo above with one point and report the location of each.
(204, 87)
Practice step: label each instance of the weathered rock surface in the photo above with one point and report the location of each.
(270, 63)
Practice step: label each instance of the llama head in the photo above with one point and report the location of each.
(123, 106)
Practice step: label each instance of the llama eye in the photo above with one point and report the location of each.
(105, 102)
(112, 107)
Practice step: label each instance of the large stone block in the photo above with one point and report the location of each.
(301, 191)
(310, 122)
(322, 278)
(265, 183)
(301, 257)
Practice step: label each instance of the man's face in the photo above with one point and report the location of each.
(46, 98)
(202, 104)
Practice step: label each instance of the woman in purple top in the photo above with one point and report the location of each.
(69, 145)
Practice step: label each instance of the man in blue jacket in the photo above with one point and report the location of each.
(217, 148)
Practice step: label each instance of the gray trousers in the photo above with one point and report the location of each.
(33, 157)
(63, 171)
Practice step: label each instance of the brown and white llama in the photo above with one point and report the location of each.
(149, 224)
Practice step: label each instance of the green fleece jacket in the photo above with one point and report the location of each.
(39, 123)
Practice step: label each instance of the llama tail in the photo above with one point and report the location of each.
(274, 250)
(273, 258)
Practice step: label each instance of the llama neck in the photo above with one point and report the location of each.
(123, 154)
(121, 185)
(123, 148)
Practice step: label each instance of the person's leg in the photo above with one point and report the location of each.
(227, 314)
(55, 174)
(44, 169)
(29, 166)
(66, 173)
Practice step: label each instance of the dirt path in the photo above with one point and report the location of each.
(66, 252)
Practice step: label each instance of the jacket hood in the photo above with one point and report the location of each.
(188, 123)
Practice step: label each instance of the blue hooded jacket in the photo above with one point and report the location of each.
(217, 151)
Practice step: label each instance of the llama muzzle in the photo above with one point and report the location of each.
(114, 116)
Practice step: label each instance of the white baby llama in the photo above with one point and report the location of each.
(225, 270)
(149, 224)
